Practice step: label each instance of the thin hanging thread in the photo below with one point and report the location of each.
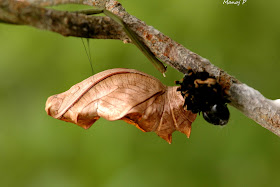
(88, 54)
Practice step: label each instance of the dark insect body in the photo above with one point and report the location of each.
(202, 93)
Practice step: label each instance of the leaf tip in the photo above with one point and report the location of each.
(167, 137)
(85, 126)
(187, 130)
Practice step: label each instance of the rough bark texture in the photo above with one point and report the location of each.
(246, 99)
(62, 22)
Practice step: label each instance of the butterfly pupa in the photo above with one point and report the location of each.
(124, 94)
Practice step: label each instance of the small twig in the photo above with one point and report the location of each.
(246, 99)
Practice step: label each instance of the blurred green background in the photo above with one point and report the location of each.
(37, 150)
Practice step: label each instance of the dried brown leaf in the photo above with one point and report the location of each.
(124, 94)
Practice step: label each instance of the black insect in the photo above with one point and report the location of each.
(202, 93)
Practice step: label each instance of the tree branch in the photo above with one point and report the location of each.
(62, 22)
(248, 100)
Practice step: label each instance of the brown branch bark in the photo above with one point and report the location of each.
(62, 22)
(248, 100)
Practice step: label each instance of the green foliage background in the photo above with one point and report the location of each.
(37, 150)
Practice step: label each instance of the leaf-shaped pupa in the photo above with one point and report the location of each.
(124, 94)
